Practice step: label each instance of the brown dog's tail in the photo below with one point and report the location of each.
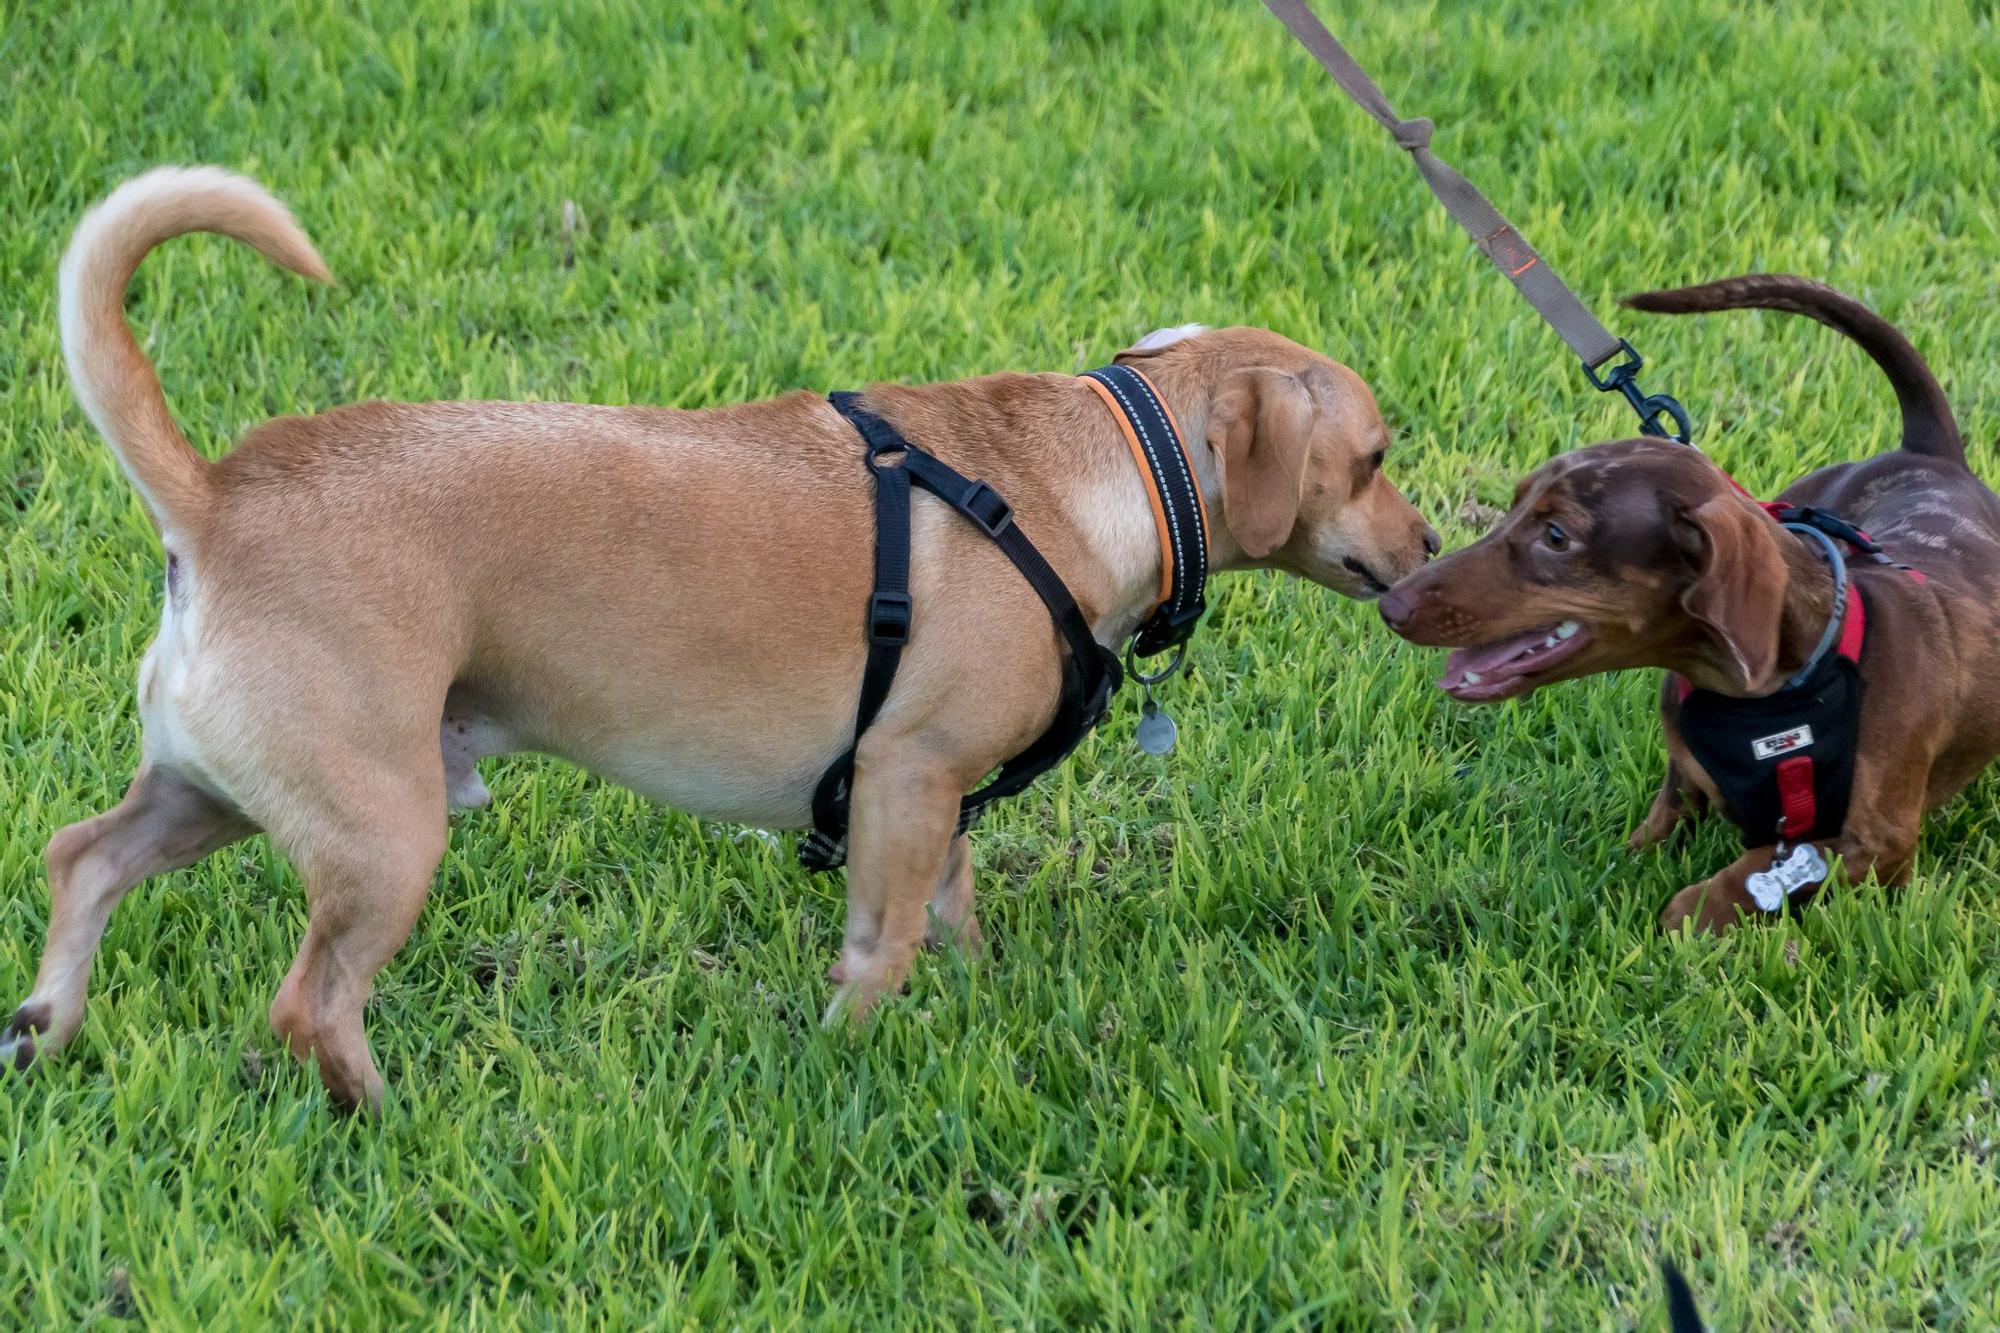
(114, 381)
(1928, 425)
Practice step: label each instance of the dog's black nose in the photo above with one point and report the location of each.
(1397, 607)
(1432, 542)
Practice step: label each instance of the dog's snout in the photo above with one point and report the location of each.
(1397, 606)
(1432, 542)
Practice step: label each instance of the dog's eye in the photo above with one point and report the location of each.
(1557, 539)
(1375, 460)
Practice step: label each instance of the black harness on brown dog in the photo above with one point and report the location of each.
(1784, 762)
(1090, 672)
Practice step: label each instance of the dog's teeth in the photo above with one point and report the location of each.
(1567, 629)
(1472, 678)
(1549, 642)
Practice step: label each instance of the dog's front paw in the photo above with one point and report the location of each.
(17, 1039)
(1714, 908)
(850, 1006)
(860, 984)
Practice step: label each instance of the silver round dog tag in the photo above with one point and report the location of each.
(1156, 730)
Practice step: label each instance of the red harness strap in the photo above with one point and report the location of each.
(1854, 628)
(1852, 631)
(1795, 794)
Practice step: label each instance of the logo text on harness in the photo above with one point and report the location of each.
(1769, 747)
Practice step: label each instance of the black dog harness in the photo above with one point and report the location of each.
(1784, 762)
(1090, 672)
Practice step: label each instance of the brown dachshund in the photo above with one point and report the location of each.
(1642, 553)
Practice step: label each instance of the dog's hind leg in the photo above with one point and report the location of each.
(367, 850)
(165, 822)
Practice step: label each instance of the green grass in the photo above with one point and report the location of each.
(1349, 1013)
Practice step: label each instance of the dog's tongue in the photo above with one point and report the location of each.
(1490, 669)
(1493, 658)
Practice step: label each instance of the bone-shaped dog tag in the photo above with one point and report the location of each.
(1791, 871)
(1156, 730)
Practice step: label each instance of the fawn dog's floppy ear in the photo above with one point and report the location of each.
(1739, 585)
(1258, 425)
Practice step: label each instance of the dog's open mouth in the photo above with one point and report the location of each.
(1509, 667)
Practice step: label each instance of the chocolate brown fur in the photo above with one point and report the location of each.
(1668, 565)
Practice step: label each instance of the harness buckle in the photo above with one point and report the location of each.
(986, 508)
(1836, 526)
(1624, 378)
(884, 456)
(889, 615)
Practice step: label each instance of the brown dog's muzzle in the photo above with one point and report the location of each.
(1502, 649)
(1407, 607)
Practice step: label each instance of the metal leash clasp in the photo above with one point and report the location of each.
(1624, 378)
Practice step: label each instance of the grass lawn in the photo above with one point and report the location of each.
(1349, 1013)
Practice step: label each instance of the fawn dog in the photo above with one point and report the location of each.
(361, 604)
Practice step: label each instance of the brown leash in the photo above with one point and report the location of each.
(1494, 235)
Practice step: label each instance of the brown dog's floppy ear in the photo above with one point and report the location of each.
(1258, 425)
(1739, 586)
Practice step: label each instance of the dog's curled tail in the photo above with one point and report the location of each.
(1928, 425)
(114, 381)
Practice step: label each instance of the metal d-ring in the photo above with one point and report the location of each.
(1132, 666)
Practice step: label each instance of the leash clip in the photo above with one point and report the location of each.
(1624, 378)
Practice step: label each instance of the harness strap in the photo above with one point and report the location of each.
(1855, 628)
(1180, 515)
(1090, 674)
(890, 616)
(889, 608)
(995, 517)
(1795, 797)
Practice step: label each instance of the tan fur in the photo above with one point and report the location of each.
(365, 602)
(114, 381)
